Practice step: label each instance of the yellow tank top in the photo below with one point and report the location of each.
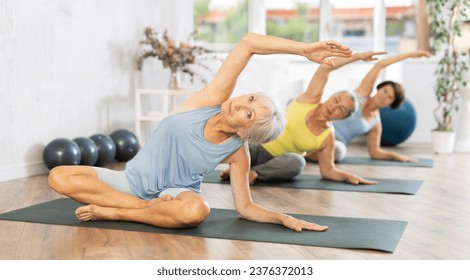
(296, 137)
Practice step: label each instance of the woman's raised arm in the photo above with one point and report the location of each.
(221, 87)
(366, 86)
(316, 87)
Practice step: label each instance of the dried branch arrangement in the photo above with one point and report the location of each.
(184, 57)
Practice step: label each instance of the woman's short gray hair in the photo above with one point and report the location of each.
(354, 99)
(267, 127)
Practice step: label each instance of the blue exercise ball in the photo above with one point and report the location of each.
(106, 149)
(127, 144)
(398, 124)
(61, 151)
(88, 149)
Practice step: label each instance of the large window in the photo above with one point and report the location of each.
(401, 20)
(388, 25)
(296, 19)
(220, 23)
(351, 23)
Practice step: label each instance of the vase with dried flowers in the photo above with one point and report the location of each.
(177, 58)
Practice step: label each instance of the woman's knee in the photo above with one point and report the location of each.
(295, 164)
(56, 178)
(195, 209)
(288, 166)
(59, 178)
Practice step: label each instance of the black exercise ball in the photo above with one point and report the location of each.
(61, 151)
(106, 149)
(88, 149)
(127, 144)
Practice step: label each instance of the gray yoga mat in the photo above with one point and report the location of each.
(352, 233)
(310, 181)
(422, 162)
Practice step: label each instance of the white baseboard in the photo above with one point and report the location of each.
(22, 170)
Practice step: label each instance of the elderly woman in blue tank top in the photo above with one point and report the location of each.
(161, 184)
(366, 120)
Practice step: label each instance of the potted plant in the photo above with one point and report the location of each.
(445, 19)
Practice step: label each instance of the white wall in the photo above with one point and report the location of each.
(67, 70)
(417, 77)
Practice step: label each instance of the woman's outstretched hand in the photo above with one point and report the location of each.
(320, 52)
(356, 180)
(403, 158)
(420, 53)
(298, 225)
(369, 56)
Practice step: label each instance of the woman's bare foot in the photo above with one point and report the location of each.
(252, 177)
(94, 212)
(165, 197)
(225, 175)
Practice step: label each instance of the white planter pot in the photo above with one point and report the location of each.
(443, 142)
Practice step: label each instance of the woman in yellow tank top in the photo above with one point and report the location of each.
(308, 129)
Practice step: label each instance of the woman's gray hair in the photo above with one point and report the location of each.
(355, 100)
(269, 126)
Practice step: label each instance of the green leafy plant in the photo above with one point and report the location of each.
(445, 19)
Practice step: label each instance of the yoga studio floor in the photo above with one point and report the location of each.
(438, 217)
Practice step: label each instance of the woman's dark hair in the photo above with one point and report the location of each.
(398, 91)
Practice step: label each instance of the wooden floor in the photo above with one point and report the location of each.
(438, 219)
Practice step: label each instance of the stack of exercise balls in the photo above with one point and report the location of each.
(96, 150)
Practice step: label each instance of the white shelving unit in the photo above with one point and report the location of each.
(142, 115)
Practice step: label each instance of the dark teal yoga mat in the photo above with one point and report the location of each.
(352, 233)
(310, 181)
(422, 162)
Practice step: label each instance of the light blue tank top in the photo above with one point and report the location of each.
(346, 130)
(177, 155)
